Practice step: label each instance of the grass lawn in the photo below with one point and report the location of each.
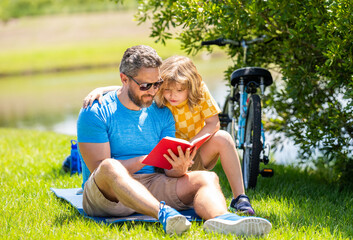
(299, 205)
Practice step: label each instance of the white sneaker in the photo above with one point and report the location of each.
(232, 223)
(172, 220)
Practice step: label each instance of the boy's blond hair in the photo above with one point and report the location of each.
(179, 69)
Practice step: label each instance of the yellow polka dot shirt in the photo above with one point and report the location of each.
(188, 123)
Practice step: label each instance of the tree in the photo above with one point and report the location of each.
(311, 45)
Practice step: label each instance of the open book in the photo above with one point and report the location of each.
(156, 158)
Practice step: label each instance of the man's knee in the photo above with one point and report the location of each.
(108, 173)
(191, 183)
(204, 178)
(111, 167)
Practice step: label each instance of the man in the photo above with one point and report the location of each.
(115, 136)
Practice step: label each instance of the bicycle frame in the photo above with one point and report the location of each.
(245, 81)
(242, 117)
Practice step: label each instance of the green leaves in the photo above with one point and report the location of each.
(312, 45)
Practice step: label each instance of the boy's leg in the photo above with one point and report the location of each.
(222, 145)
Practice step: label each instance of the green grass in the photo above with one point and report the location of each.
(22, 8)
(69, 41)
(299, 205)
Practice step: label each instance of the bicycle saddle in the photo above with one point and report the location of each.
(251, 74)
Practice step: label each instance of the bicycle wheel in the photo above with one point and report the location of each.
(252, 143)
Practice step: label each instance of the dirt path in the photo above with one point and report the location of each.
(63, 29)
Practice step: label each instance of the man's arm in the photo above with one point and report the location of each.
(94, 153)
(94, 141)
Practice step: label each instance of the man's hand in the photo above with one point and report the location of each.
(181, 164)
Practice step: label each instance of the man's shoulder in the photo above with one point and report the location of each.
(159, 110)
(108, 99)
(107, 107)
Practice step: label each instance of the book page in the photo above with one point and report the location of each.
(199, 141)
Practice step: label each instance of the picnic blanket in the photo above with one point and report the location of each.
(74, 197)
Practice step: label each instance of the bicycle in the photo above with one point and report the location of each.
(250, 138)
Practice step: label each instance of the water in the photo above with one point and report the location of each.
(68, 126)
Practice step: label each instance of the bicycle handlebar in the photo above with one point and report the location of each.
(223, 42)
(219, 42)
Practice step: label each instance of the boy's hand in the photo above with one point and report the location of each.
(95, 94)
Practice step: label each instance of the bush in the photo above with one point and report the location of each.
(311, 45)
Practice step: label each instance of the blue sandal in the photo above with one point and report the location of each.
(242, 205)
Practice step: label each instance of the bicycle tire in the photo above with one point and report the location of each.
(252, 143)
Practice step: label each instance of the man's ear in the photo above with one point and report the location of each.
(123, 78)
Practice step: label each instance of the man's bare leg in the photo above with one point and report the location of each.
(210, 204)
(202, 189)
(116, 184)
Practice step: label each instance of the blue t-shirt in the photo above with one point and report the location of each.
(130, 133)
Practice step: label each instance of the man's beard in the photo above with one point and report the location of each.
(138, 101)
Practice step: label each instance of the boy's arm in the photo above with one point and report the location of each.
(212, 125)
(97, 94)
(179, 164)
(209, 112)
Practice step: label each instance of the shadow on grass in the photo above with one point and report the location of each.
(57, 173)
(297, 200)
(68, 213)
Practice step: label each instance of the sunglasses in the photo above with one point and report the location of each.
(146, 86)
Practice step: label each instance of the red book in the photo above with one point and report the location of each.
(156, 158)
